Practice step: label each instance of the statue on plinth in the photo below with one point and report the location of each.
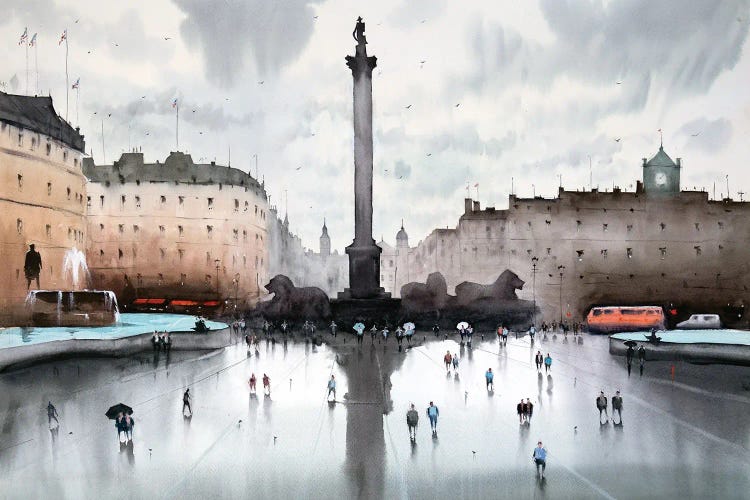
(359, 32)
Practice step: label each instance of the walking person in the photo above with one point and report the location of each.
(409, 334)
(539, 456)
(399, 335)
(412, 419)
(529, 410)
(32, 266)
(51, 413)
(601, 405)
(332, 388)
(469, 334)
(251, 382)
(505, 336)
(436, 329)
(641, 358)
(532, 332)
(385, 334)
(447, 359)
(186, 402)
(334, 328)
(119, 426)
(617, 407)
(432, 414)
(266, 385)
(519, 410)
(128, 423)
(360, 335)
(454, 361)
(547, 363)
(629, 358)
(373, 333)
(539, 360)
(489, 377)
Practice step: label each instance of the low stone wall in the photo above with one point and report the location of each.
(728, 354)
(46, 351)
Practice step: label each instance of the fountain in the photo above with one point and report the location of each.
(74, 262)
(72, 308)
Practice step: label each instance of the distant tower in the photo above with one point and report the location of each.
(402, 239)
(325, 242)
(661, 175)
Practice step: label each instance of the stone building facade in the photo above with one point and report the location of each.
(657, 245)
(42, 199)
(177, 229)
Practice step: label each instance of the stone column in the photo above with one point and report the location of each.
(364, 254)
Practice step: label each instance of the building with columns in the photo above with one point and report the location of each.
(42, 199)
(177, 229)
(656, 244)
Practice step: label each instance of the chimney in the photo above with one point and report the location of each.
(645, 161)
(476, 206)
(638, 187)
(679, 162)
(467, 206)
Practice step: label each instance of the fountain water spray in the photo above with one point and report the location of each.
(74, 261)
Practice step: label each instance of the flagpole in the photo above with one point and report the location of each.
(177, 127)
(78, 95)
(104, 154)
(27, 68)
(67, 83)
(36, 65)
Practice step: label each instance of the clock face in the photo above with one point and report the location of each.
(660, 179)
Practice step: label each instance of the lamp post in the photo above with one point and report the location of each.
(218, 266)
(561, 269)
(534, 261)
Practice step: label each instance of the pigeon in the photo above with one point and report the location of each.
(619, 83)
(618, 139)
(315, 17)
(261, 82)
(167, 38)
(695, 135)
(409, 106)
(457, 105)
(77, 21)
(429, 154)
(89, 52)
(298, 168)
(193, 111)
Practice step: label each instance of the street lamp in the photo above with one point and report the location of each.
(218, 266)
(534, 260)
(561, 268)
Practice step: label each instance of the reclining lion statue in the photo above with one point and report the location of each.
(290, 301)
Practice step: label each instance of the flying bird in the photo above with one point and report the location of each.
(400, 176)
(193, 111)
(89, 52)
(619, 83)
(261, 82)
(423, 21)
(167, 37)
(109, 115)
(407, 107)
(77, 21)
(457, 105)
(695, 135)
(429, 154)
(117, 45)
(315, 17)
(298, 168)
(618, 139)
(201, 133)
(147, 133)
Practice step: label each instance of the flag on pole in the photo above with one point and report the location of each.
(63, 37)
(24, 36)
(33, 40)
(174, 103)
(77, 84)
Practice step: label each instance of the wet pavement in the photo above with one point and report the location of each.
(689, 438)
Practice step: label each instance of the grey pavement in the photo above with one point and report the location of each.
(684, 439)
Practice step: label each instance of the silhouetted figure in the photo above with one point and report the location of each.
(412, 419)
(359, 32)
(641, 358)
(186, 402)
(51, 413)
(32, 266)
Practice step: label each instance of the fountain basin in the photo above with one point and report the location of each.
(71, 308)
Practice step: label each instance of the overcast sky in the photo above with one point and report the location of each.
(495, 91)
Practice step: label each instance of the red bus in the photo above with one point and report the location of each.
(613, 319)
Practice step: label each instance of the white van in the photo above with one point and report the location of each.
(701, 322)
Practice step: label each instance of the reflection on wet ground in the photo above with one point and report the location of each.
(687, 438)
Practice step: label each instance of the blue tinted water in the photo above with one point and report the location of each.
(724, 336)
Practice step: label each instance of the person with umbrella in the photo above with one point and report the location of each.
(118, 413)
(359, 328)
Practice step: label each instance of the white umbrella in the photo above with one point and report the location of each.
(359, 328)
(409, 326)
(462, 325)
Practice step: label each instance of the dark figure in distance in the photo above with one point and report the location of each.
(412, 419)
(186, 402)
(32, 266)
(51, 413)
(617, 406)
(629, 358)
(641, 358)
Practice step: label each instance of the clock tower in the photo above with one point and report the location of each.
(661, 175)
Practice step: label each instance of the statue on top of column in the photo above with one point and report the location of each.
(359, 32)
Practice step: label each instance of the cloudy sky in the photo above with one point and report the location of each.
(464, 92)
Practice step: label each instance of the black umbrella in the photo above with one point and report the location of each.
(117, 409)
(630, 343)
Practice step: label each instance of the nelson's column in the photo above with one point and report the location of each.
(364, 254)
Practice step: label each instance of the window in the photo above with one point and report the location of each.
(208, 280)
(121, 228)
(162, 200)
(578, 226)
(49, 149)
(136, 228)
(698, 250)
(529, 224)
(48, 230)
(604, 253)
(139, 279)
(162, 253)
(580, 255)
(180, 253)
(162, 230)
(101, 200)
(33, 143)
(20, 140)
(180, 230)
(663, 252)
(181, 200)
(236, 205)
(209, 231)
(88, 201)
(137, 202)
(20, 181)
(101, 228)
(244, 235)
(160, 280)
(75, 162)
(256, 209)
(721, 225)
(49, 191)
(697, 226)
(65, 156)
(247, 205)
(629, 253)
(235, 234)
(119, 253)
(630, 228)
(122, 202)
(604, 227)
(19, 226)
(662, 226)
(208, 258)
(210, 203)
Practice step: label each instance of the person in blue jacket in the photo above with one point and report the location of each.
(540, 459)
(432, 414)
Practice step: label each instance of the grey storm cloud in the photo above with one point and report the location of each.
(208, 116)
(707, 135)
(632, 42)
(229, 32)
(601, 149)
